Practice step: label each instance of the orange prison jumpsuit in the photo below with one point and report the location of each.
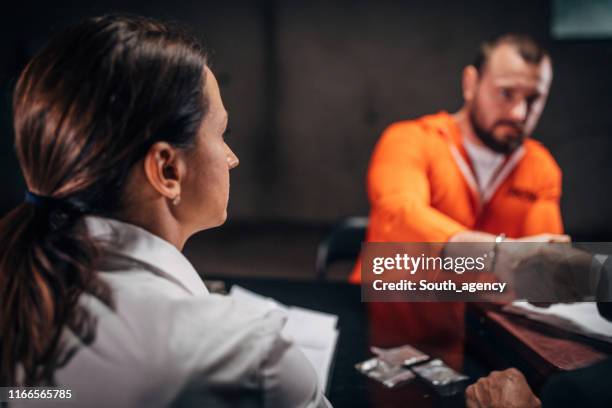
(422, 189)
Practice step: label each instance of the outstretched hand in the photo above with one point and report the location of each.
(507, 389)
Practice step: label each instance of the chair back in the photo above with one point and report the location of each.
(342, 244)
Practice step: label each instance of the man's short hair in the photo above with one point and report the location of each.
(529, 49)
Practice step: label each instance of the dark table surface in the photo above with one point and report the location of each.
(349, 388)
(536, 349)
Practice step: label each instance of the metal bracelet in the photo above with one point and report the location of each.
(498, 240)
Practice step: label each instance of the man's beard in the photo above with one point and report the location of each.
(486, 136)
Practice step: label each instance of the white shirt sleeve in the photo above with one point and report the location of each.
(603, 288)
(221, 344)
(289, 379)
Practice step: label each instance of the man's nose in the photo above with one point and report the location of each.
(518, 113)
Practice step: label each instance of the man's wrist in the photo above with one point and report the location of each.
(495, 251)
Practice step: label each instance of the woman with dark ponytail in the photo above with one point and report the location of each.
(119, 133)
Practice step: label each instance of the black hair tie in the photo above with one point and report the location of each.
(52, 203)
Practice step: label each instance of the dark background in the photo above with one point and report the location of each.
(310, 85)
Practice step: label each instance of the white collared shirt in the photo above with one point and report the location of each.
(168, 342)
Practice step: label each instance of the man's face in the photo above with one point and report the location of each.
(508, 99)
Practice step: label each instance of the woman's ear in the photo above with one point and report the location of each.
(469, 82)
(164, 169)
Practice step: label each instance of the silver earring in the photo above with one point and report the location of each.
(177, 200)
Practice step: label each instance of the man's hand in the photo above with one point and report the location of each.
(501, 389)
(513, 252)
(556, 273)
(545, 238)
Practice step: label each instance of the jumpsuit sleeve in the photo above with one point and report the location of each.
(399, 190)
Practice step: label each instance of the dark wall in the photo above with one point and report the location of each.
(310, 85)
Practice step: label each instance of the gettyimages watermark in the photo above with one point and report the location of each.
(506, 271)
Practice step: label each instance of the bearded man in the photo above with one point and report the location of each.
(472, 176)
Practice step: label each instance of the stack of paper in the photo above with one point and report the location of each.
(315, 333)
(581, 318)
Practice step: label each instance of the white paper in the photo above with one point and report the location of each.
(313, 332)
(246, 296)
(582, 318)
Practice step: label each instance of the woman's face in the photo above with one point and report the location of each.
(205, 190)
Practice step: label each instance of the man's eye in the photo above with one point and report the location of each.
(506, 93)
(531, 99)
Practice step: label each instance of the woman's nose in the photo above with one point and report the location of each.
(232, 159)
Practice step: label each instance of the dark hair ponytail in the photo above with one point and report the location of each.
(87, 107)
(44, 269)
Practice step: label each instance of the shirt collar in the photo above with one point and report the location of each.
(146, 248)
(485, 162)
(447, 126)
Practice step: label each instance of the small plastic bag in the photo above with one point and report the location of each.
(389, 375)
(443, 379)
(401, 356)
